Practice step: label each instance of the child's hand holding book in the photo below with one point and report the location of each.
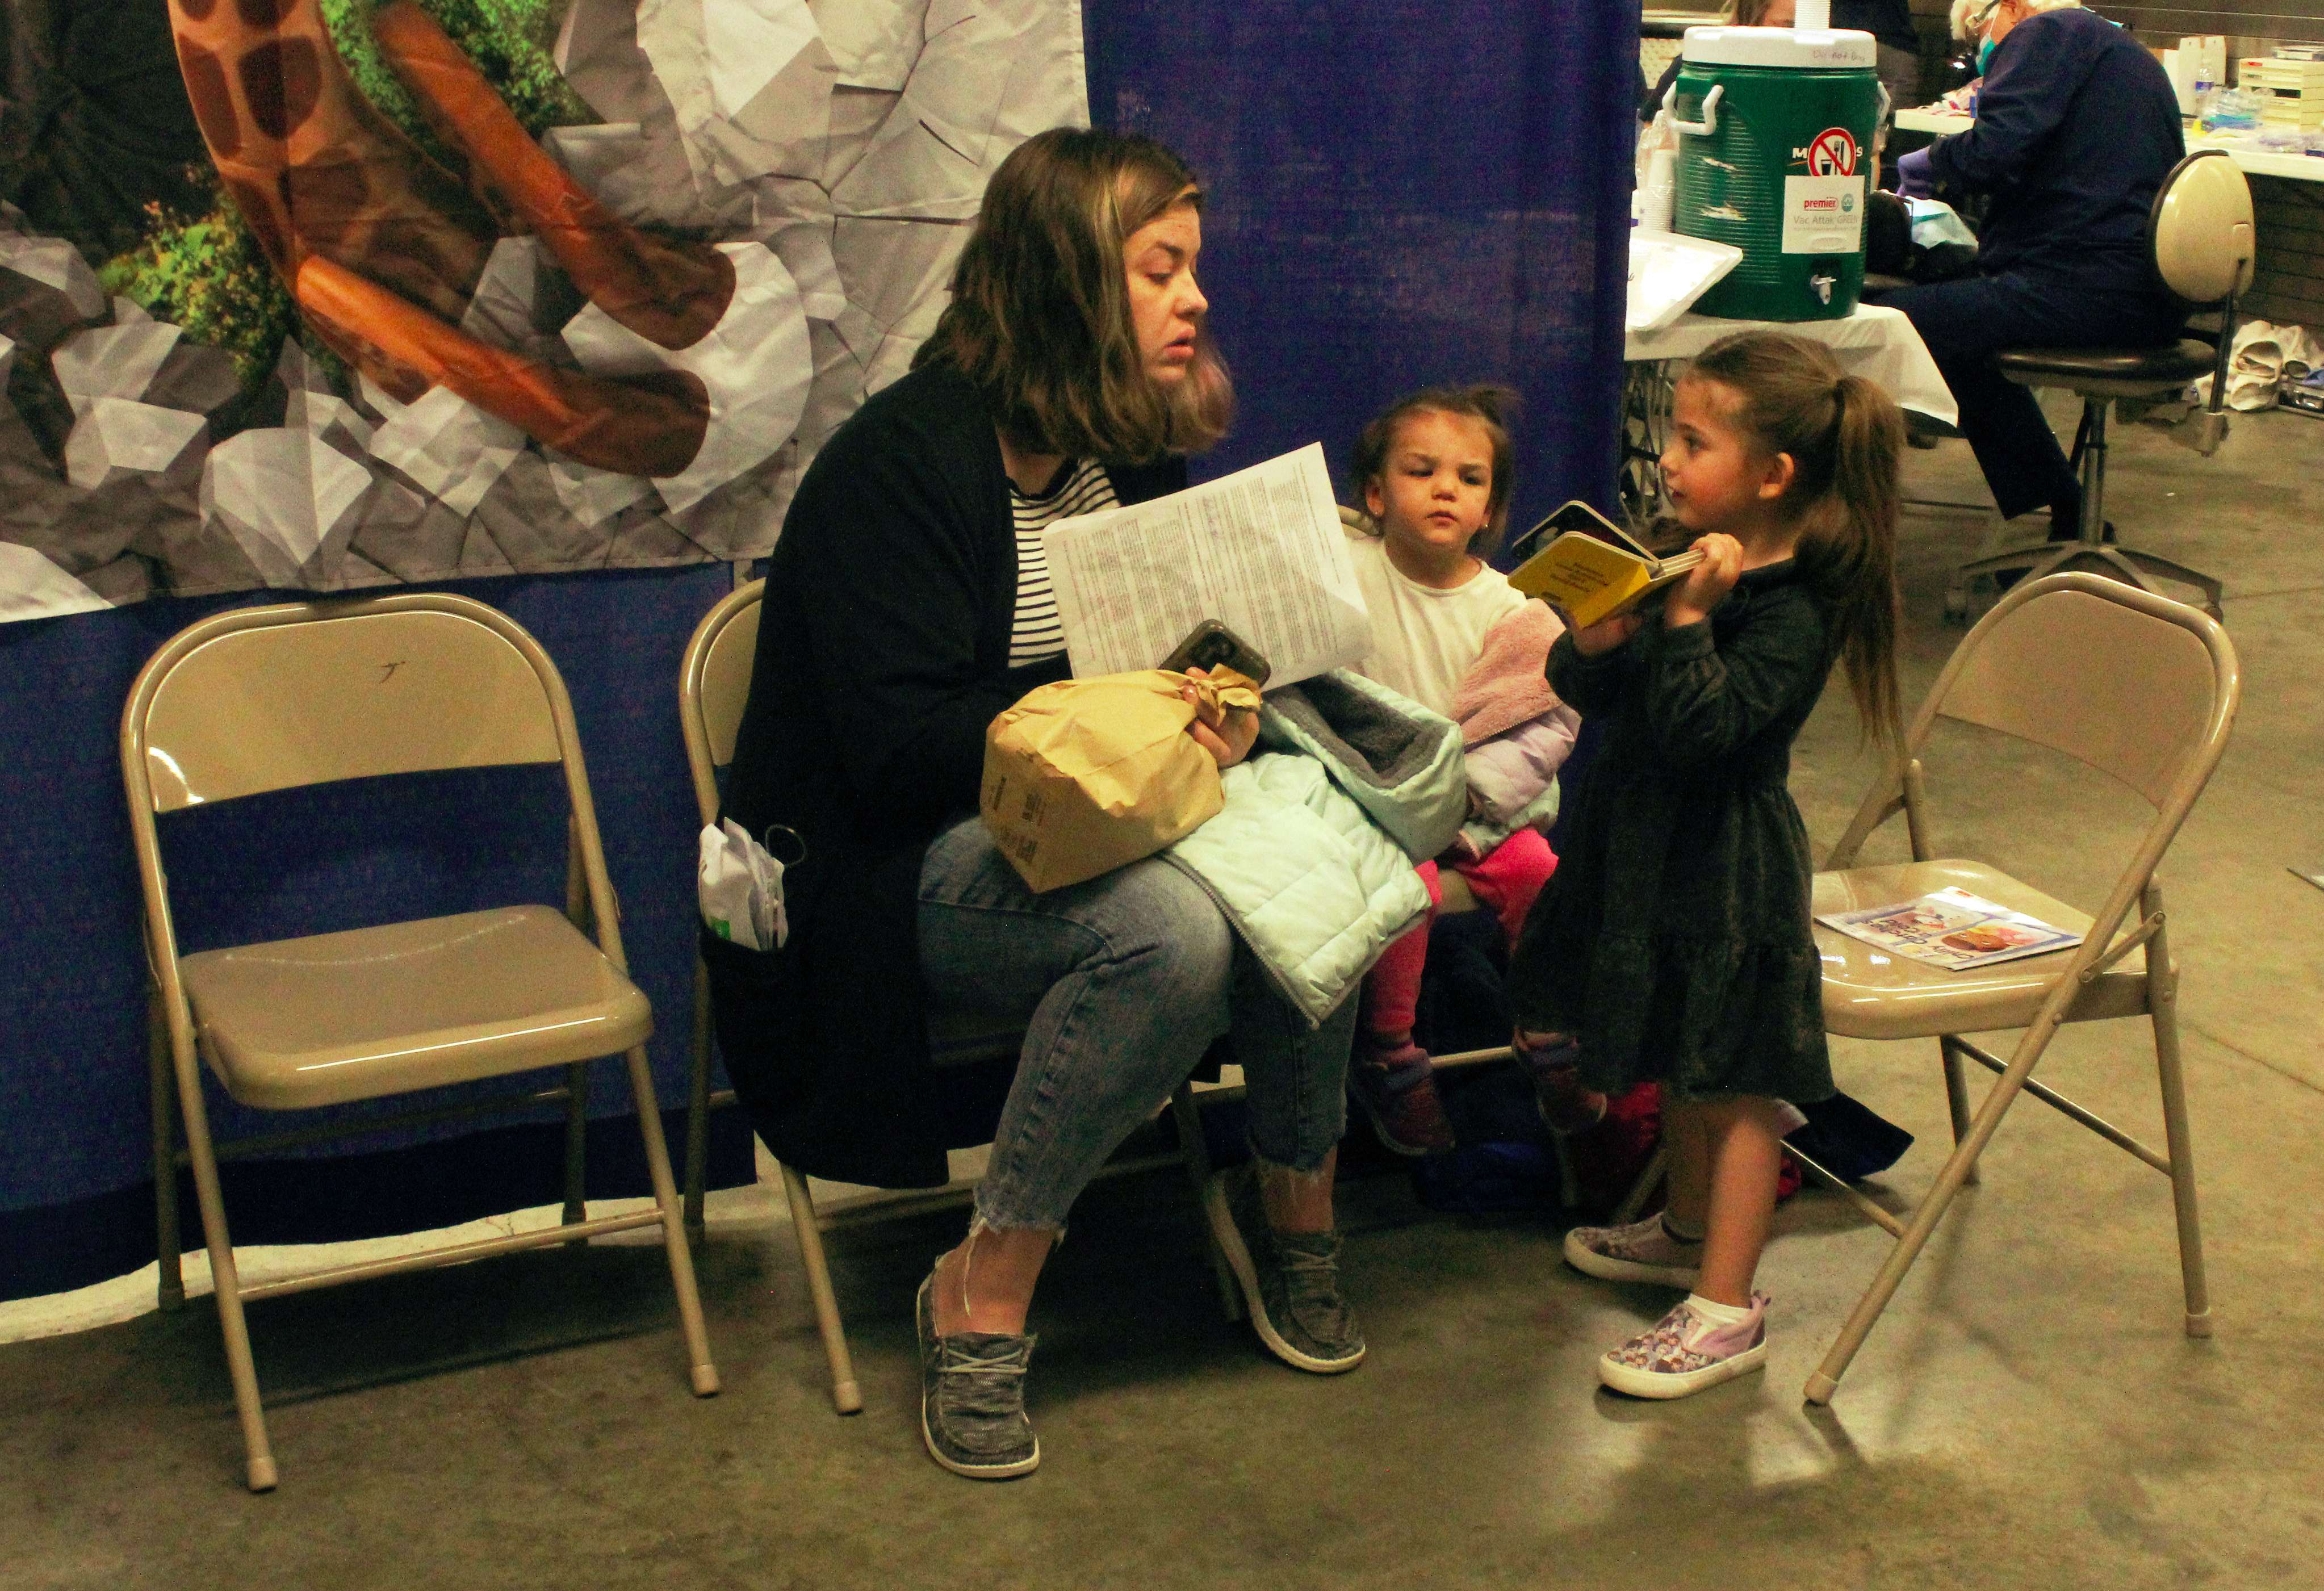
(1605, 636)
(1713, 576)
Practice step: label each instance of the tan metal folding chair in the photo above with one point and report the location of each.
(273, 698)
(713, 684)
(2133, 685)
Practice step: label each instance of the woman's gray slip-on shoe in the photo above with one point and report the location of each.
(972, 1398)
(1290, 1281)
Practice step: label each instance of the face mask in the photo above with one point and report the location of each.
(1984, 55)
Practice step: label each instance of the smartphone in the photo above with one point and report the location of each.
(1211, 644)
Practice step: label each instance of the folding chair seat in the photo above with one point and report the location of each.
(2130, 684)
(272, 699)
(714, 685)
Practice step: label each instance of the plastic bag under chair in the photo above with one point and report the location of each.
(2263, 357)
(1085, 776)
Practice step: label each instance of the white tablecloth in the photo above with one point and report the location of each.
(2258, 162)
(1874, 342)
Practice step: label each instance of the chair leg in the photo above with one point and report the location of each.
(2177, 1138)
(1957, 1097)
(576, 1137)
(1194, 1154)
(2149, 563)
(806, 1229)
(697, 1102)
(1649, 1179)
(1569, 1179)
(1825, 1382)
(227, 1285)
(169, 1243)
(673, 1226)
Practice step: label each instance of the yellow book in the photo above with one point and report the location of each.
(1590, 569)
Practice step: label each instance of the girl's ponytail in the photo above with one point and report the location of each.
(1869, 434)
(1844, 436)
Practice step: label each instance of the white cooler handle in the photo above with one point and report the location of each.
(1709, 123)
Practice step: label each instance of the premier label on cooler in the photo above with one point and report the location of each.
(1823, 209)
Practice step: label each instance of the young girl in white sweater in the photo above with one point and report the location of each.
(1448, 631)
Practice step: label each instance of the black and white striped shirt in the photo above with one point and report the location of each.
(1034, 631)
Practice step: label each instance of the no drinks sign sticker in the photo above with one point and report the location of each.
(1824, 211)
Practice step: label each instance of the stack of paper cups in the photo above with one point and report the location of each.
(1660, 191)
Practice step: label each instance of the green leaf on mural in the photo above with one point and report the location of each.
(207, 273)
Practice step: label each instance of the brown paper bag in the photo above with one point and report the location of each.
(1085, 776)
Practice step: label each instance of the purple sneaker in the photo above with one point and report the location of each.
(1685, 1353)
(1566, 1107)
(1395, 1085)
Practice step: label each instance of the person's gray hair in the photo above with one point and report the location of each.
(1969, 14)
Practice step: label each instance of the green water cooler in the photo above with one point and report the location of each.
(1775, 156)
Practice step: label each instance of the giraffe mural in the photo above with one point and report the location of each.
(619, 347)
(381, 246)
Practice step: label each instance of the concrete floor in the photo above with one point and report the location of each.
(2028, 1415)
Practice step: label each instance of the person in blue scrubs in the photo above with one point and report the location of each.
(2076, 128)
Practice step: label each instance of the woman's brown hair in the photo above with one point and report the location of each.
(1487, 406)
(1844, 436)
(1040, 318)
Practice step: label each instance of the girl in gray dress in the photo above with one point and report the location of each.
(1674, 942)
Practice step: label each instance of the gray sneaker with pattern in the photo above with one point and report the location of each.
(1290, 1281)
(972, 1398)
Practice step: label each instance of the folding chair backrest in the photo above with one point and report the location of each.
(275, 698)
(2134, 685)
(712, 687)
(270, 699)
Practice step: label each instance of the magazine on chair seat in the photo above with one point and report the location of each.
(1952, 929)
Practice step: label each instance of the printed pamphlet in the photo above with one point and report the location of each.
(1260, 551)
(1952, 929)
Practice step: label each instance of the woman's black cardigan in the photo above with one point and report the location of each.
(883, 656)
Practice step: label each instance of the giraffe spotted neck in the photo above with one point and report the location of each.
(382, 247)
(312, 167)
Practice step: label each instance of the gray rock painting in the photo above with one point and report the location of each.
(836, 149)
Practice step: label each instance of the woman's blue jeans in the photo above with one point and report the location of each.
(1122, 983)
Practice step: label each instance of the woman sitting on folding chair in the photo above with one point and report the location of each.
(908, 604)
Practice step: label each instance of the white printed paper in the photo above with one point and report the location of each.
(1823, 214)
(1260, 551)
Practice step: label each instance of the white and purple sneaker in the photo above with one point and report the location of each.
(1643, 1251)
(1685, 1353)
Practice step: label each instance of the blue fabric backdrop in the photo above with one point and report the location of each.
(1399, 193)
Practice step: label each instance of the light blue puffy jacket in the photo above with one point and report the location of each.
(1311, 857)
